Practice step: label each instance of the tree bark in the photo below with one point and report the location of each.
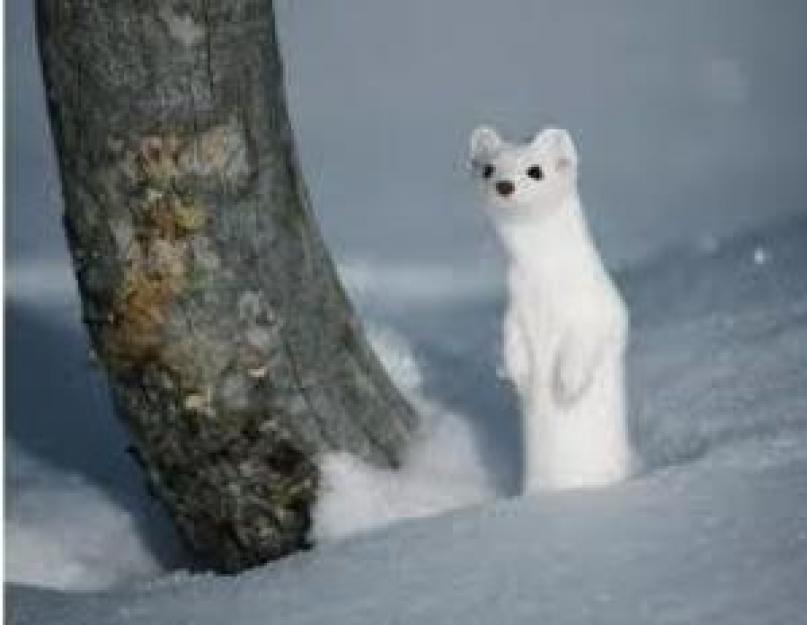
(231, 350)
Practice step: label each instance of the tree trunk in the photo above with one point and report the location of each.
(231, 350)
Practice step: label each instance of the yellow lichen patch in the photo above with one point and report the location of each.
(157, 160)
(189, 216)
(166, 260)
(142, 304)
(160, 241)
(157, 218)
(139, 314)
(218, 154)
(172, 215)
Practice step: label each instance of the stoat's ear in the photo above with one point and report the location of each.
(559, 145)
(484, 142)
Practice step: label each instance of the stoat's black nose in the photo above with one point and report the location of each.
(505, 187)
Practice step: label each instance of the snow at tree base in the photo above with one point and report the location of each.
(713, 530)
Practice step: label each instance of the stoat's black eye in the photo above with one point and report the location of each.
(535, 172)
(487, 171)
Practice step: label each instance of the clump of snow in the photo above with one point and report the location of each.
(441, 471)
(62, 532)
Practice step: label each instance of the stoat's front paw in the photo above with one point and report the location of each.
(515, 368)
(574, 372)
(570, 384)
(515, 357)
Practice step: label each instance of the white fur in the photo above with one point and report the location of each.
(565, 329)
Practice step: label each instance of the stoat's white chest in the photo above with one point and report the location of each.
(553, 264)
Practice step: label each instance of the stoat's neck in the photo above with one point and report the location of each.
(552, 243)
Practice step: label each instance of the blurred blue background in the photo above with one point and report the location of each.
(691, 118)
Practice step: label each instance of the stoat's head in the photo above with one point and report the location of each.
(526, 178)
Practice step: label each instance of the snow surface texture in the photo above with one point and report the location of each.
(63, 532)
(441, 471)
(77, 513)
(715, 530)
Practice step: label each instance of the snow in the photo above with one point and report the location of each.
(714, 530)
(77, 513)
(61, 530)
(441, 471)
(703, 546)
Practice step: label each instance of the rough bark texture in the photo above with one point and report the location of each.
(231, 350)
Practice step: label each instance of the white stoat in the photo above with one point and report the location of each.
(565, 329)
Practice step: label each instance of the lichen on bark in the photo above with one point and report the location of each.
(231, 351)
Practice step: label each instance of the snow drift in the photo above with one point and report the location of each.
(440, 472)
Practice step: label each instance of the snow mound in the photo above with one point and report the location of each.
(441, 471)
(62, 532)
(78, 515)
